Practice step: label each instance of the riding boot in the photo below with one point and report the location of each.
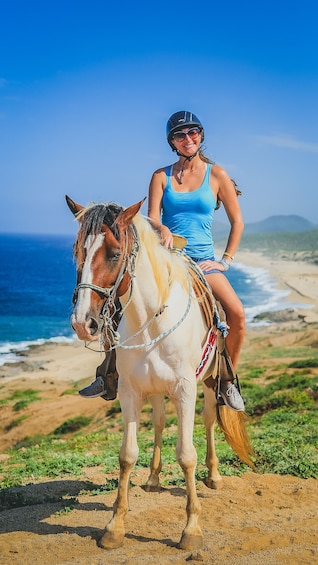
(228, 390)
(106, 381)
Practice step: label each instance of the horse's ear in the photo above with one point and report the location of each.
(75, 208)
(126, 216)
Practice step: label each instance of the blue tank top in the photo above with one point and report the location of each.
(191, 214)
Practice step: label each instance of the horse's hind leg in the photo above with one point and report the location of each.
(114, 533)
(209, 418)
(159, 421)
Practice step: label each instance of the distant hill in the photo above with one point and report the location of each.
(289, 237)
(291, 223)
(273, 224)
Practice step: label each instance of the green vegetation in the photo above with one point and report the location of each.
(15, 423)
(65, 510)
(20, 399)
(296, 245)
(70, 392)
(281, 400)
(23, 398)
(72, 425)
(304, 364)
(293, 245)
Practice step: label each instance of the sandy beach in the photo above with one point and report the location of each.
(271, 517)
(299, 278)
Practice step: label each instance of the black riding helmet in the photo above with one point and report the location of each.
(181, 120)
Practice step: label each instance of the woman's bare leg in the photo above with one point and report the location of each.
(234, 310)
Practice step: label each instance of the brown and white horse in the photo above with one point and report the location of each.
(158, 343)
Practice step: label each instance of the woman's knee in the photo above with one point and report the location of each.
(236, 316)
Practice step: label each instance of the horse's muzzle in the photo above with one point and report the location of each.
(86, 331)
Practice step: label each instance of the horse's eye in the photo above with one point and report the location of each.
(114, 256)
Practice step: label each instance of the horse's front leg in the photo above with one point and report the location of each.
(209, 418)
(159, 421)
(114, 533)
(192, 537)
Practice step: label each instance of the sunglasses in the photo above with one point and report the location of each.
(181, 135)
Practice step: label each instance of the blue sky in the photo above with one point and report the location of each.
(86, 89)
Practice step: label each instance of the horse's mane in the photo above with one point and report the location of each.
(92, 218)
(166, 266)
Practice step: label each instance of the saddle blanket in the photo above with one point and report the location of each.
(207, 354)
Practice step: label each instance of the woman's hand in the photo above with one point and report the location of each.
(208, 265)
(166, 237)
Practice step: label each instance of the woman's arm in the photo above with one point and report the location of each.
(155, 194)
(227, 195)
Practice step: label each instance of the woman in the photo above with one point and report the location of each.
(182, 200)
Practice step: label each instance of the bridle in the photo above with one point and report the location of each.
(111, 294)
(127, 266)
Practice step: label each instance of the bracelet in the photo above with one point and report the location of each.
(226, 254)
(225, 264)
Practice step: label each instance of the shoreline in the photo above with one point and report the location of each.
(56, 371)
(298, 279)
(70, 361)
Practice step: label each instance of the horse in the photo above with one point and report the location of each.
(158, 344)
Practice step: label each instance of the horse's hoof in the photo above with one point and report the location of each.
(151, 488)
(190, 542)
(111, 540)
(152, 484)
(210, 483)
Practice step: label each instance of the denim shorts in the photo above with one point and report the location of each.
(211, 271)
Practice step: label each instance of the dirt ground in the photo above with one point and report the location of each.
(256, 519)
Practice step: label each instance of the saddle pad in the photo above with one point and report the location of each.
(207, 354)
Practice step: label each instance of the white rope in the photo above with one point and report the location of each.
(156, 339)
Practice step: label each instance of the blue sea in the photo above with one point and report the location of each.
(37, 278)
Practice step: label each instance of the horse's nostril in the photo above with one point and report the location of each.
(93, 326)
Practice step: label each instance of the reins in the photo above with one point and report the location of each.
(117, 344)
(109, 307)
(110, 334)
(147, 324)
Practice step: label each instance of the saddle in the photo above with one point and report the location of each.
(214, 350)
(215, 357)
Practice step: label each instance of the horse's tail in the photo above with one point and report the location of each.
(232, 424)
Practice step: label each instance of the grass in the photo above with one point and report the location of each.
(282, 241)
(304, 364)
(15, 423)
(72, 425)
(281, 399)
(22, 398)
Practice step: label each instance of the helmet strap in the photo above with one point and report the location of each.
(186, 158)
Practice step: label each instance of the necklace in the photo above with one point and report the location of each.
(178, 169)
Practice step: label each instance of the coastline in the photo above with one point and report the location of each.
(46, 524)
(298, 280)
(71, 361)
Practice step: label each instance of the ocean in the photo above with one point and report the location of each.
(37, 279)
